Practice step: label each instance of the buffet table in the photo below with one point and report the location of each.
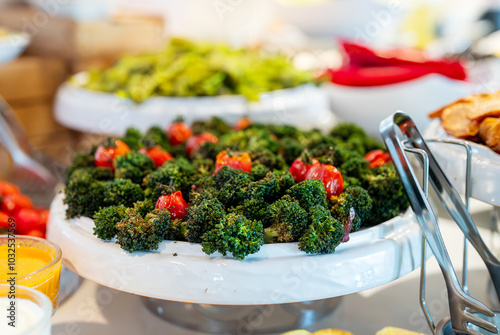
(95, 309)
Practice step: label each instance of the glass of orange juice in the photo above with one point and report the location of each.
(32, 262)
(24, 311)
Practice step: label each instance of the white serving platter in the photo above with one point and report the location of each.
(485, 173)
(278, 273)
(306, 106)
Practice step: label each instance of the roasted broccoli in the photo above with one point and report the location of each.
(122, 192)
(106, 220)
(155, 136)
(138, 233)
(83, 194)
(213, 125)
(175, 173)
(323, 234)
(387, 192)
(289, 220)
(167, 228)
(356, 198)
(234, 234)
(309, 193)
(132, 138)
(259, 171)
(133, 166)
(230, 184)
(204, 212)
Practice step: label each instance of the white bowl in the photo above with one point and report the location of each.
(346, 18)
(368, 106)
(485, 181)
(306, 106)
(12, 46)
(278, 273)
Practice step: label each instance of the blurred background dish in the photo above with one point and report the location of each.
(368, 106)
(12, 45)
(78, 10)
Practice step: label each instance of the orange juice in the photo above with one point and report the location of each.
(34, 263)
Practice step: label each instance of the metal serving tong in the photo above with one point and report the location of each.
(400, 134)
(31, 174)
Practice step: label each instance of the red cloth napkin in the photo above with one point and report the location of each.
(367, 67)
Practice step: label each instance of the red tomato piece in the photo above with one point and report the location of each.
(7, 188)
(329, 175)
(44, 216)
(174, 203)
(36, 233)
(157, 154)
(27, 219)
(377, 158)
(233, 159)
(299, 169)
(4, 220)
(104, 156)
(12, 203)
(242, 123)
(194, 142)
(178, 133)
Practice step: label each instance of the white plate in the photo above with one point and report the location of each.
(485, 174)
(278, 273)
(77, 108)
(12, 46)
(367, 106)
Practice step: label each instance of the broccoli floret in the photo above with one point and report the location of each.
(289, 220)
(387, 192)
(267, 158)
(138, 233)
(355, 166)
(323, 234)
(133, 166)
(248, 140)
(213, 125)
(155, 136)
(132, 138)
(285, 180)
(80, 160)
(106, 220)
(355, 138)
(175, 173)
(167, 228)
(83, 194)
(204, 212)
(309, 193)
(290, 149)
(356, 198)
(259, 171)
(144, 207)
(346, 130)
(234, 234)
(351, 181)
(122, 192)
(206, 150)
(230, 183)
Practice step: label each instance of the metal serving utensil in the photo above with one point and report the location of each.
(395, 130)
(28, 173)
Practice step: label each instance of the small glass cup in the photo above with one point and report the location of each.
(24, 311)
(32, 262)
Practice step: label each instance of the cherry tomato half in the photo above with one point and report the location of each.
(242, 123)
(377, 158)
(157, 154)
(233, 159)
(104, 156)
(178, 133)
(329, 175)
(194, 142)
(7, 188)
(174, 203)
(12, 203)
(299, 169)
(28, 219)
(4, 220)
